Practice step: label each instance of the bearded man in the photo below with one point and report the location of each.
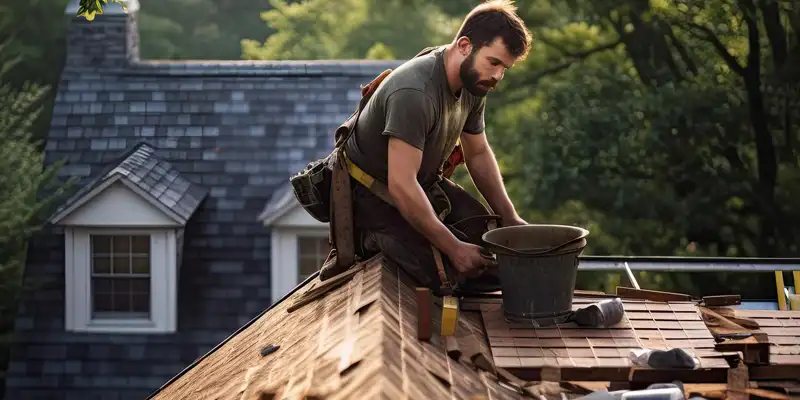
(405, 133)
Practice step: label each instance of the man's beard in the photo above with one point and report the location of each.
(471, 78)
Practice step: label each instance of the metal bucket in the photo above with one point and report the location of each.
(537, 266)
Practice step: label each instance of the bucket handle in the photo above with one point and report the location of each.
(537, 253)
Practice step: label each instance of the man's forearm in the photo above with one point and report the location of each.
(486, 174)
(413, 204)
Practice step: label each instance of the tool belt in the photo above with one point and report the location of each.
(324, 186)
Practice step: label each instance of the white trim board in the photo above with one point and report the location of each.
(285, 264)
(286, 226)
(116, 182)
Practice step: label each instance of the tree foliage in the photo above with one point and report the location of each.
(666, 127)
(349, 29)
(191, 29)
(22, 208)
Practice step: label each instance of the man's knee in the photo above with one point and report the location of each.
(411, 253)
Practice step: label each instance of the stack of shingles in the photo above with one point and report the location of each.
(782, 329)
(723, 341)
(588, 353)
(461, 362)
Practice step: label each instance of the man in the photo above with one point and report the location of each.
(404, 134)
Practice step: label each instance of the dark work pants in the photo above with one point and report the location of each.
(383, 229)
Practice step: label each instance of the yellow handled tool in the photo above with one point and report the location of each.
(449, 315)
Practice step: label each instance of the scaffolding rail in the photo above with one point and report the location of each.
(788, 297)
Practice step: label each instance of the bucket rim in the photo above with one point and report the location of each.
(564, 248)
(504, 228)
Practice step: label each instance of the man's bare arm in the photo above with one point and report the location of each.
(482, 167)
(413, 204)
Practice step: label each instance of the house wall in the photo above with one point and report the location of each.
(238, 129)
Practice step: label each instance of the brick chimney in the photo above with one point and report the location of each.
(110, 41)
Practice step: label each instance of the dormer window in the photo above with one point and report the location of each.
(299, 242)
(122, 239)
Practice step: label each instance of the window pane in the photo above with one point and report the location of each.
(101, 265)
(121, 265)
(121, 245)
(140, 285)
(140, 302)
(312, 252)
(306, 245)
(140, 244)
(101, 244)
(121, 295)
(122, 302)
(103, 302)
(102, 285)
(121, 285)
(307, 267)
(140, 265)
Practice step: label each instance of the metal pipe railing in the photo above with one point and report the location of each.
(689, 264)
(701, 264)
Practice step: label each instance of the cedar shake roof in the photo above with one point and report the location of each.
(358, 340)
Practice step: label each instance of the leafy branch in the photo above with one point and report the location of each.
(573, 57)
(705, 33)
(89, 8)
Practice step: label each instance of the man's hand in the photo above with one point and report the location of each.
(468, 259)
(411, 201)
(514, 220)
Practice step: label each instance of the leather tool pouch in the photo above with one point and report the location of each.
(312, 185)
(312, 188)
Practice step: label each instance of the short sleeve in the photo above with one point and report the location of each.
(475, 122)
(409, 116)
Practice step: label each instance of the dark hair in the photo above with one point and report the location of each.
(496, 18)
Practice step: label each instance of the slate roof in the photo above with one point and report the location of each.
(282, 201)
(156, 179)
(238, 130)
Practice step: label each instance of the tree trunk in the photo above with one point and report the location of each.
(765, 148)
(775, 32)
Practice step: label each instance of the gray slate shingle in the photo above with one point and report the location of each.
(156, 178)
(237, 130)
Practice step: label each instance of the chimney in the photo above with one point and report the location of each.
(110, 41)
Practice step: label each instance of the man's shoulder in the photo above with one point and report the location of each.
(417, 74)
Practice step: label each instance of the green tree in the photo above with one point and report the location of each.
(29, 194)
(191, 29)
(32, 49)
(350, 29)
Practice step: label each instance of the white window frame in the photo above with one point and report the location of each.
(285, 259)
(163, 282)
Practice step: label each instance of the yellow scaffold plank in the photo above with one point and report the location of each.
(780, 286)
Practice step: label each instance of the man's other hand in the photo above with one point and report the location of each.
(469, 260)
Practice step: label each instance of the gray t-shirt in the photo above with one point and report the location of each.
(414, 103)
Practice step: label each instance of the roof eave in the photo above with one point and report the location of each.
(115, 177)
(59, 216)
(282, 206)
